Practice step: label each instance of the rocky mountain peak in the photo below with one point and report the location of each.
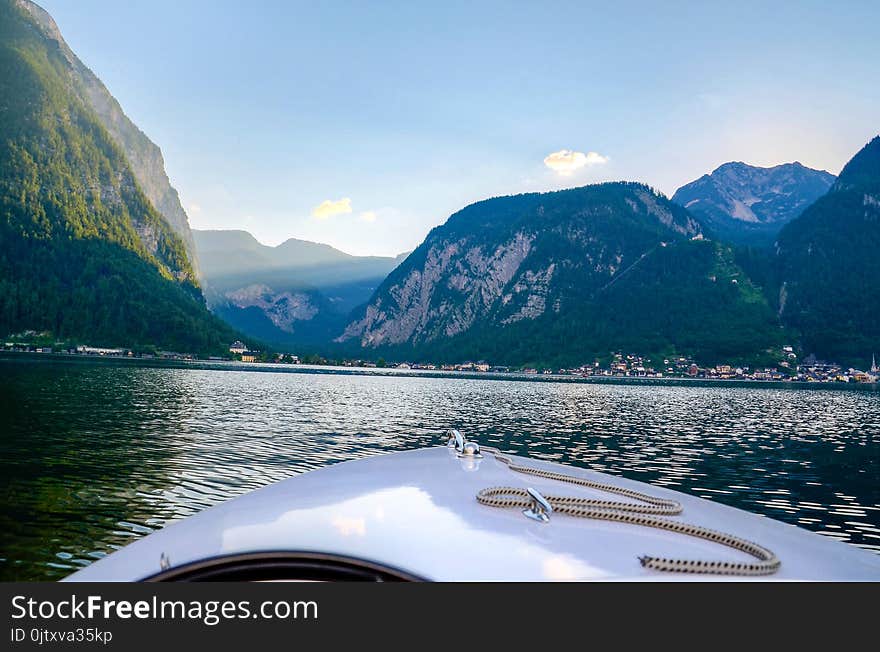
(746, 203)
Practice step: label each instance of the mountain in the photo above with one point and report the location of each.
(144, 157)
(830, 268)
(297, 293)
(565, 277)
(83, 252)
(744, 204)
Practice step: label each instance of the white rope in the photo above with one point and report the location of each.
(645, 514)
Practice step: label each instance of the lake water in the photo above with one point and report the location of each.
(95, 455)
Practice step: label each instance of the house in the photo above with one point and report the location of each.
(248, 356)
(96, 350)
(238, 347)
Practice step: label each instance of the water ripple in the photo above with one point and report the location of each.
(94, 456)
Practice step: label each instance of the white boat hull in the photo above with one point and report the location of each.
(416, 512)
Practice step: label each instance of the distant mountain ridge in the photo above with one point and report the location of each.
(746, 204)
(144, 156)
(298, 292)
(229, 253)
(564, 277)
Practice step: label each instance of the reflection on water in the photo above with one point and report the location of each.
(95, 455)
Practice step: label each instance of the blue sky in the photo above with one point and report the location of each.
(364, 125)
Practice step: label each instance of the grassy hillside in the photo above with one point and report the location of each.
(82, 251)
(829, 267)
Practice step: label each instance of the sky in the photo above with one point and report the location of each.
(364, 125)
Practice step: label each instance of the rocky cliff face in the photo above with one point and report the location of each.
(749, 204)
(144, 156)
(514, 259)
(296, 293)
(284, 309)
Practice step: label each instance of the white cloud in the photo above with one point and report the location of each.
(194, 209)
(567, 161)
(368, 216)
(330, 207)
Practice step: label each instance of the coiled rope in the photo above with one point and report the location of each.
(645, 514)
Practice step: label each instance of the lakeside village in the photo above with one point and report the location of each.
(619, 365)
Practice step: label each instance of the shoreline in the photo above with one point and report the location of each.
(270, 367)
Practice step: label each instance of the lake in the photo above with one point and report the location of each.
(96, 454)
